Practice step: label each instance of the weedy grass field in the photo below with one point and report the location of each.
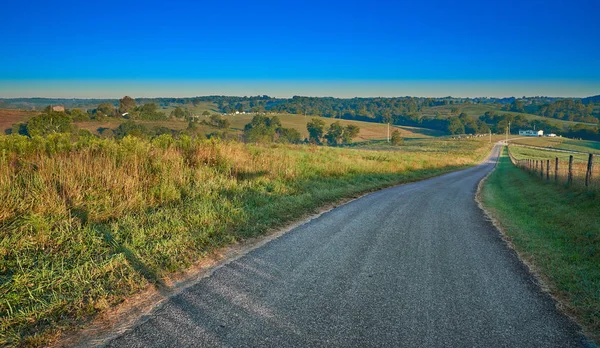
(556, 229)
(85, 224)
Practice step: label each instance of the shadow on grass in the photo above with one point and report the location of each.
(147, 272)
(244, 175)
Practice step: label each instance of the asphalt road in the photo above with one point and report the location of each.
(417, 265)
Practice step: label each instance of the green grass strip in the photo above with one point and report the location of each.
(555, 228)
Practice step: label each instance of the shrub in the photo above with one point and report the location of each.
(397, 138)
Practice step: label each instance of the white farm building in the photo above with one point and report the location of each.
(531, 133)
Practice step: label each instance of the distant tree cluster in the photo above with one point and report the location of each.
(263, 129)
(335, 134)
(499, 122)
(407, 111)
(563, 109)
(570, 110)
(463, 124)
(218, 121)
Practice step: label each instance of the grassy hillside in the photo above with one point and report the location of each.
(84, 225)
(194, 109)
(556, 229)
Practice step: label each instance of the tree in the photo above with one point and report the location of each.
(177, 113)
(106, 109)
(205, 113)
(151, 112)
(274, 122)
(259, 130)
(315, 129)
(131, 128)
(334, 134)
(219, 122)
(350, 132)
(482, 127)
(288, 135)
(126, 104)
(456, 126)
(397, 138)
(48, 123)
(77, 115)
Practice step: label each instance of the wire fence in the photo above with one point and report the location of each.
(563, 168)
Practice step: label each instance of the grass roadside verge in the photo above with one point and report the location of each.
(88, 224)
(556, 230)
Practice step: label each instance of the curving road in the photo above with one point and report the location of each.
(417, 265)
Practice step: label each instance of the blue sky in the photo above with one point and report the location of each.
(282, 48)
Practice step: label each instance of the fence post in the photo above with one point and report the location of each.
(590, 167)
(548, 170)
(570, 176)
(556, 170)
(542, 169)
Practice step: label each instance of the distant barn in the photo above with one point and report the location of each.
(58, 108)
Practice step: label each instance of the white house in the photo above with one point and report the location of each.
(531, 133)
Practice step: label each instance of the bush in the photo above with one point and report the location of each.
(397, 138)
(48, 123)
(131, 128)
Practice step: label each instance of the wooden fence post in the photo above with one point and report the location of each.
(547, 170)
(590, 167)
(542, 169)
(556, 170)
(570, 176)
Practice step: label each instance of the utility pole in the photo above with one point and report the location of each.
(388, 132)
(507, 131)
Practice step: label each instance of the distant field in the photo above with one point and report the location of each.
(8, 117)
(561, 144)
(368, 130)
(520, 153)
(195, 110)
(476, 110)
